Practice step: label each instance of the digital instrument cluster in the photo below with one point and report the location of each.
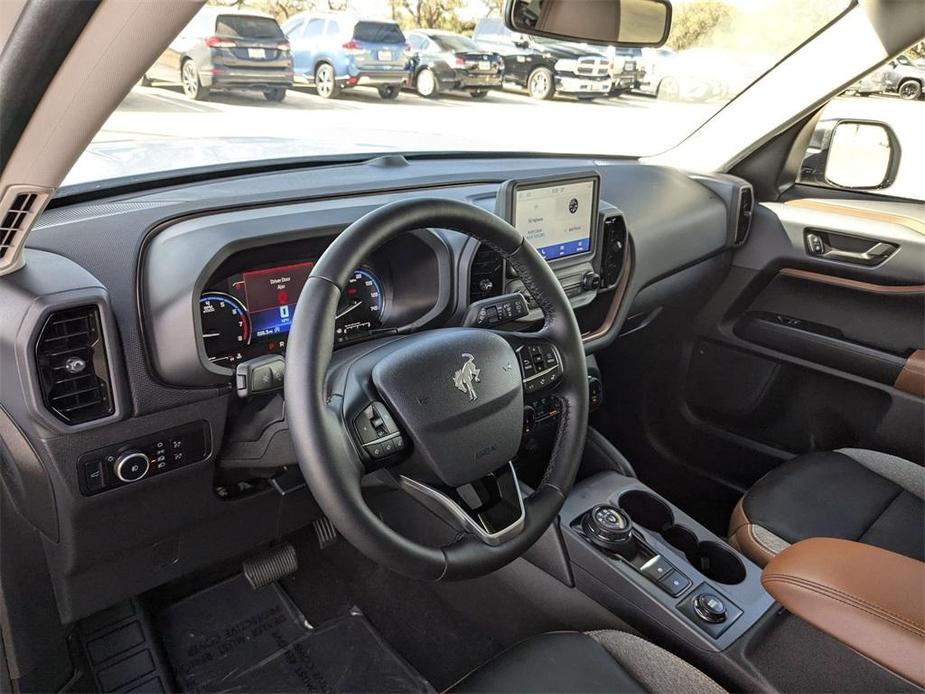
(248, 314)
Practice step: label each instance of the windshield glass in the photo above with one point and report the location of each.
(214, 97)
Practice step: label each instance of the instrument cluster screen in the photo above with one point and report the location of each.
(248, 314)
(271, 295)
(557, 219)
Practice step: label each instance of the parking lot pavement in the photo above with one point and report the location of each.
(360, 121)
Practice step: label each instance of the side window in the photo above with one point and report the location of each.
(867, 139)
(333, 28)
(313, 28)
(416, 42)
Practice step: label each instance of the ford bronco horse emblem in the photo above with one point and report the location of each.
(465, 377)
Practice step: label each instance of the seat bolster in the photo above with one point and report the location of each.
(754, 541)
(567, 662)
(655, 668)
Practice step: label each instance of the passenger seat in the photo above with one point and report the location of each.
(851, 494)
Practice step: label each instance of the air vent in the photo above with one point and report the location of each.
(486, 276)
(71, 359)
(18, 210)
(744, 216)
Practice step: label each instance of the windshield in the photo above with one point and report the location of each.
(213, 100)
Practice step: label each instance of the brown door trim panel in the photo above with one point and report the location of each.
(859, 285)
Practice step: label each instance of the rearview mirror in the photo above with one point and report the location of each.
(624, 22)
(856, 154)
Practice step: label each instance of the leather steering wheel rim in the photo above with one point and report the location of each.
(327, 456)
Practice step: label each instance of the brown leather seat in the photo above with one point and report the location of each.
(851, 494)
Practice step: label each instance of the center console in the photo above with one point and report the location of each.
(631, 550)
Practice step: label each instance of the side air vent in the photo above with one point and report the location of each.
(744, 214)
(18, 209)
(486, 276)
(73, 373)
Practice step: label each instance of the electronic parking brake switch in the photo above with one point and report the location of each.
(377, 432)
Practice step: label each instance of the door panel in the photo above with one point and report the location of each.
(800, 352)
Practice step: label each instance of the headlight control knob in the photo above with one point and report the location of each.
(131, 466)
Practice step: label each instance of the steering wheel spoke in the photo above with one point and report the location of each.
(491, 508)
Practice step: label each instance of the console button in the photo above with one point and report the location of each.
(674, 583)
(93, 475)
(656, 568)
(710, 608)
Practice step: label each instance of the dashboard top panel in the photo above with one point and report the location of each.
(673, 220)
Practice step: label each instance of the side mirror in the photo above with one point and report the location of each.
(857, 154)
(608, 22)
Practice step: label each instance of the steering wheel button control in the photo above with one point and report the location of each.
(540, 366)
(496, 310)
(377, 432)
(133, 461)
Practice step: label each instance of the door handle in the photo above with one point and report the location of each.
(874, 253)
(825, 245)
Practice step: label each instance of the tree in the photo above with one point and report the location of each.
(433, 14)
(917, 51)
(493, 7)
(694, 22)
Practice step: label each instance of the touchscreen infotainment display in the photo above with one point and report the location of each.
(557, 218)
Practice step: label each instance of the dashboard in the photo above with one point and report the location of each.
(183, 285)
(246, 308)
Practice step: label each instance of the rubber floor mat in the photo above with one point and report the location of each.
(230, 638)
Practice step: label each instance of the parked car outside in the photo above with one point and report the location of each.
(336, 51)
(545, 67)
(226, 49)
(442, 60)
(699, 75)
(655, 62)
(906, 78)
(901, 76)
(626, 69)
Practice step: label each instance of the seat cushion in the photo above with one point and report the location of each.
(572, 662)
(851, 494)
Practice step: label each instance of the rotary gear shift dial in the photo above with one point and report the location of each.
(610, 528)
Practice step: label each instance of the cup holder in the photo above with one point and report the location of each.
(712, 559)
(647, 510)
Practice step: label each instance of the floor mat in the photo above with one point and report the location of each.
(230, 638)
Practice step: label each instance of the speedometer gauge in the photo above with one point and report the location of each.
(360, 309)
(226, 328)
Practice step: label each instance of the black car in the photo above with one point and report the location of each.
(443, 61)
(226, 49)
(545, 67)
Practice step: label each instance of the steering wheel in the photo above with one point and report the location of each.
(439, 412)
